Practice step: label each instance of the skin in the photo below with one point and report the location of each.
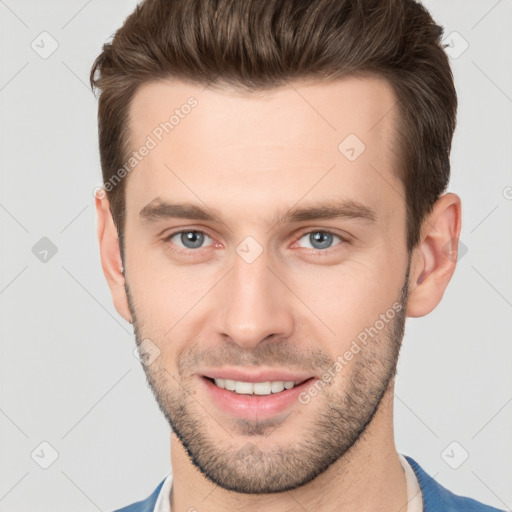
(253, 157)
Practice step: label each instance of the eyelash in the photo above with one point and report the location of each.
(316, 251)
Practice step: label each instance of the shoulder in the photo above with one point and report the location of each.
(437, 498)
(146, 505)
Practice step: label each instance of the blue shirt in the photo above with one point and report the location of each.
(436, 498)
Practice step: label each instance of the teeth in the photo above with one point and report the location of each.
(254, 388)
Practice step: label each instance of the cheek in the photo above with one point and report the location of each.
(341, 301)
(164, 294)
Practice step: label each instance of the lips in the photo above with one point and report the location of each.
(260, 375)
(254, 407)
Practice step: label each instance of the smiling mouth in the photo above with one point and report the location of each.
(256, 388)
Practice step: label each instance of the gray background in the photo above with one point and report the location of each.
(68, 374)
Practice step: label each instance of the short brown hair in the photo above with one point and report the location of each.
(260, 44)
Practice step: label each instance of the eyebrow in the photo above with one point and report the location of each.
(158, 210)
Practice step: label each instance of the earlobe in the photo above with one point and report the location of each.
(110, 255)
(435, 257)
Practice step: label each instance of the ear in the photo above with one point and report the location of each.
(435, 257)
(110, 254)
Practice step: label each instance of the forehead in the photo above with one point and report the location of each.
(305, 138)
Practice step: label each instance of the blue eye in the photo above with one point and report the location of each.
(319, 240)
(191, 239)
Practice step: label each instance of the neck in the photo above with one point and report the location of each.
(368, 477)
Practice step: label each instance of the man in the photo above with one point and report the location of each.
(274, 210)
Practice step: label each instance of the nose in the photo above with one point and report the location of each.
(254, 304)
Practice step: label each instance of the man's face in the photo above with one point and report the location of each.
(259, 289)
